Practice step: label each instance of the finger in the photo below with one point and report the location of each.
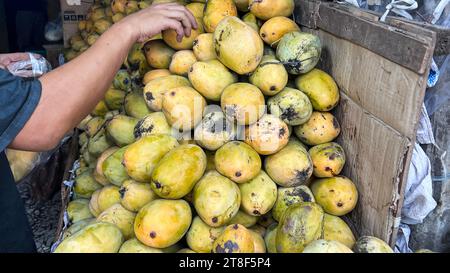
(177, 26)
(180, 16)
(188, 13)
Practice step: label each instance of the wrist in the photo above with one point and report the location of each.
(126, 31)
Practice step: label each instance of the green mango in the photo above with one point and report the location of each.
(120, 129)
(113, 169)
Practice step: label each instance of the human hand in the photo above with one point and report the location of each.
(9, 58)
(158, 17)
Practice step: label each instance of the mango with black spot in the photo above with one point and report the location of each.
(141, 157)
(337, 195)
(121, 129)
(328, 159)
(177, 172)
(300, 224)
(370, 244)
(121, 217)
(122, 80)
(321, 127)
(237, 161)
(291, 105)
(134, 195)
(245, 219)
(258, 195)
(270, 76)
(273, 29)
(234, 239)
(135, 105)
(152, 124)
(216, 199)
(214, 131)
(170, 37)
(335, 229)
(243, 103)
(200, 237)
(291, 166)
(154, 90)
(268, 135)
(162, 223)
(113, 169)
(203, 47)
(181, 62)
(287, 197)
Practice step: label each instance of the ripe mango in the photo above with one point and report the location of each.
(162, 223)
(85, 184)
(117, 17)
(114, 98)
(170, 37)
(118, 6)
(196, 9)
(270, 237)
(287, 197)
(135, 105)
(251, 20)
(183, 107)
(134, 195)
(121, 129)
(322, 127)
(326, 246)
(181, 62)
(258, 195)
(328, 159)
(268, 135)
(75, 227)
(158, 54)
(94, 238)
(78, 210)
(141, 157)
(108, 196)
(291, 166)
(92, 38)
(93, 203)
(238, 161)
(266, 9)
(216, 199)
(299, 52)
(121, 217)
(320, 88)
(102, 25)
(214, 131)
(100, 109)
(154, 90)
(242, 102)
(210, 78)
(300, 224)
(203, 47)
(153, 124)
(134, 246)
(270, 76)
(136, 59)
(113, 169)
(232, 38)
(273, 29)
(153, 74)
(178, 171)
(335, 229)
(370, 244)
(245, 219)
(291, 105)
(200, 237)
(98, 143)
(215, 11)
(337, 195)
(259, 245)
(234, 239)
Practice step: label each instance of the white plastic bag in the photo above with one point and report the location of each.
(32, 68)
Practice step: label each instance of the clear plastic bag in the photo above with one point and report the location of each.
(32, 68)
(54, 30)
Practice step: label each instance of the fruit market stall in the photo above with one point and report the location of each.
(272, 125)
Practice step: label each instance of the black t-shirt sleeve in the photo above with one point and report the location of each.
(18, 99)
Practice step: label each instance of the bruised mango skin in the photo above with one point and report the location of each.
(337, 195)
(155, 73)
(326, 246)
(335, 229)
(237, 161)
(291, 105)
(200, 237)
(113, 169)
(244, 219)
(328, 159)
(178, 171)
(216, 199)
(268, 135)
(162, 223)
(215, 11)
(291, 166)
(153, 124)
(135, 105)
(266, 9)
(181, 62)
(287, 197)
(370, 244)
(141, 157)
(94, 238)
(214, 131)
(155, 89)
(121, 217)
(242, 102)
(320, 88)
(270, 76)
(158, 54)
(120, 129)
(78, 210)
(258, 195)
(85, 184)
(321, 127)
(134, 195)
(273, 29)
(203, 47)
(234, 37)
(270, 237)
(300, 224)
(210, 78)
(234, 239)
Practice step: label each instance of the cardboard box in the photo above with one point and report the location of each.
(73, 11)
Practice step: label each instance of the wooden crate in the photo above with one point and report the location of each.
(381, 70)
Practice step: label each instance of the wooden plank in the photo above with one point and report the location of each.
(375, 157)
(390, 92)
(410, 51)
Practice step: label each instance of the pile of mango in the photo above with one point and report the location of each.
(222, 142)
